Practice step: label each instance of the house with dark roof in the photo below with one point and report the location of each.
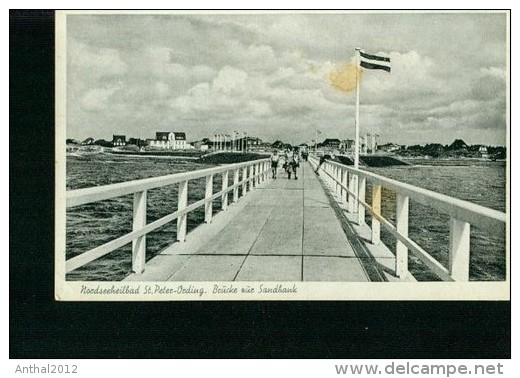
(169, 140)
(458, 144)
(118, 140)
(331, 143)
(389, 147)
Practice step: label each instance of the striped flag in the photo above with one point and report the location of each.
(374, 62)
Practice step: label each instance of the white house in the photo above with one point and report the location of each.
(169, 140)
(483, 152)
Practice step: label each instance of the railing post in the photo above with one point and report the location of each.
(361, 194)
(401, 225)
(459, 249)
(208, 207)
(244, 181)
(331, 176)
(235, 185)
(344, 181)
(258, 174)
(251, 176)
(182, 220)
(353, 186)
(225, 180)
(350, 179)
(139, 221)
(376, 208)
(337, 181)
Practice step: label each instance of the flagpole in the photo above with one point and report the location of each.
(358, 68)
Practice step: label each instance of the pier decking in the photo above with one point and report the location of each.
(310, 229)
(284, 230)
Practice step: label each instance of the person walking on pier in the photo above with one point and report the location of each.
(274, 163)
(322, 160)
(293, 162)
(287, 156)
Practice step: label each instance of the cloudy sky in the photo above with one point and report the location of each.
(272, 75)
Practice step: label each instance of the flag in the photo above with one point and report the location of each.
(374, 62)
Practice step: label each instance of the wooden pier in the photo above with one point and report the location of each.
(285, 230)
(311, 229)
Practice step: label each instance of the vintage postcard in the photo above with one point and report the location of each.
(311, 155)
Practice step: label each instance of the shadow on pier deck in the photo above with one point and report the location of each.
(285, 230)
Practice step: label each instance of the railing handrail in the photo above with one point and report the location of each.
(477, 215)
(78, 197)
(350, 184)
(253, 173)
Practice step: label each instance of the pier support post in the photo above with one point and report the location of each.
(350, 198)
(401, 225)
(337, 177)
(251, 176)
(139, 221)
(208, 207)
(235, 185)
(459, 249)
(182, 220)
(376, 208)
(258, 174)
(353, 186)
(328, 169)
(344, 181)
(225, 180)
(361, 196)
(333, 175)
(244, 181)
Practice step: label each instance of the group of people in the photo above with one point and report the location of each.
(291, 157)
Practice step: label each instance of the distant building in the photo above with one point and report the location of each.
(202, 145)
(483, 152)
(347, 144)
(119, 140)
(458, 144)
(169, 140)
(331, 143)
(254, 143)
(389, 147)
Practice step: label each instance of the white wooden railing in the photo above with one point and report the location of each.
(350, 185)
(247, 175)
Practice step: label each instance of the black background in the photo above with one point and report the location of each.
(43, 328)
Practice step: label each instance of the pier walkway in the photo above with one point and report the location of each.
(316, 228)
(284, 230)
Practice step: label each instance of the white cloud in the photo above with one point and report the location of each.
(99, 98)
(229, 79)
(497, 72)
(161, 89)
(161, 61)
(100, 61)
